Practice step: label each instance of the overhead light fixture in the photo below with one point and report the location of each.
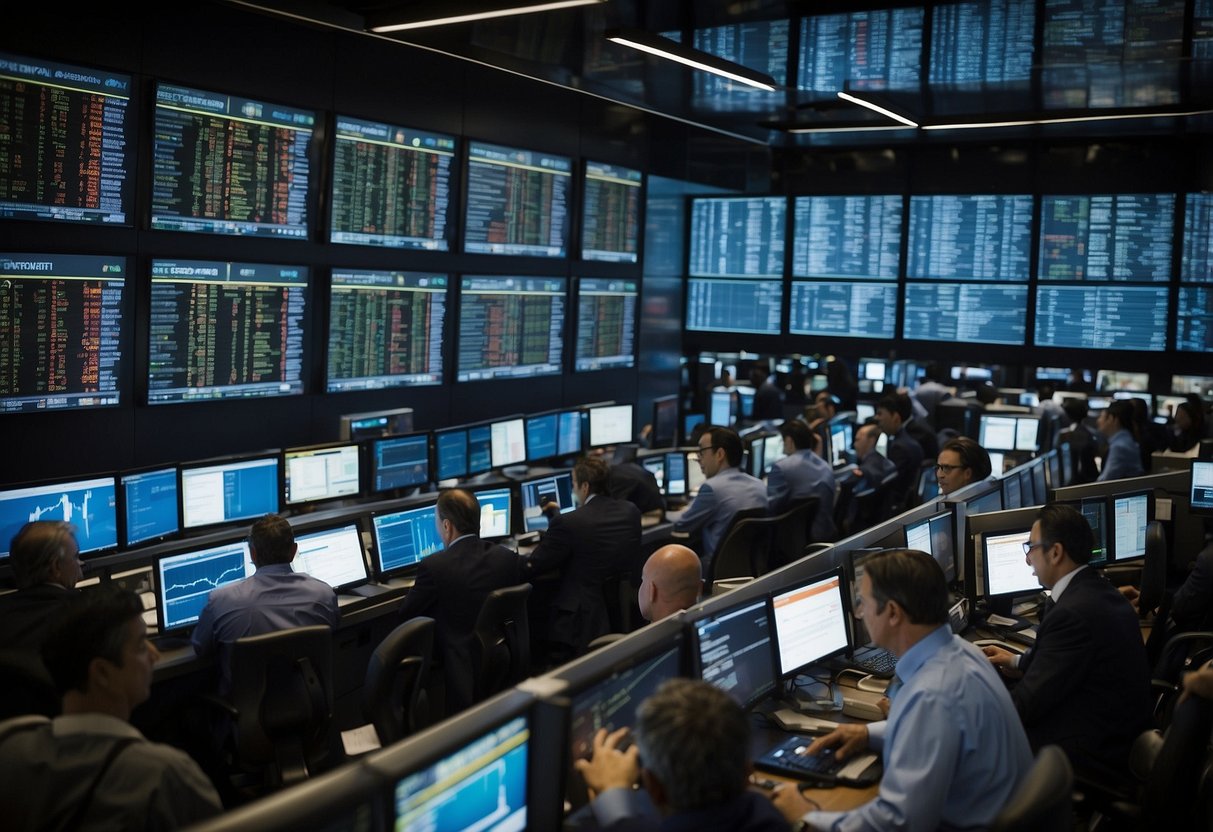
(426, 15)
(982, 125)
(687, 56)
(876, 108)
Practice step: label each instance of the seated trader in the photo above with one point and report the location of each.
(873, 466)
(961, 461)
(1086, 683)
(726, 491)
(695, 744)
(800, 475)
(90, 769)
(1123, 455)
(670, 582)
(273, 598)
(597, 541)
(451, 586)
(953, 748)
(46, 566)
(892, 413)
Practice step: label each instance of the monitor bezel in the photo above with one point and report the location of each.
(372, 462)
(375, 553)
(838, 573)
(65, 481)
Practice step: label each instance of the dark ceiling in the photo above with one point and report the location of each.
(1079, 65)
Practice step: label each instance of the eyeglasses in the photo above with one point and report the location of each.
(707, 448)
(1028, 547)
(947, 469)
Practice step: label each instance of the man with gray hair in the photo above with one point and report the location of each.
(46, 565)
(694, 741)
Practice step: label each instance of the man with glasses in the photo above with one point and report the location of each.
(46, 565)
(1085, 685)
(961, 461)
(726, 491)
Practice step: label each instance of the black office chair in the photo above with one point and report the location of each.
(501, 641)
(872, 506)
(393, 695)
(791, 533)
(1183, 652)
(1042, 801)
(281, 702)
(745, 543)
(1154, 573)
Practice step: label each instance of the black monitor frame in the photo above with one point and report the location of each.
(839, 576)
(86, 553)
(375, 553)
(372, 462)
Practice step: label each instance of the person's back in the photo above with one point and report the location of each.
(630, 481)
(45, 561)
(800, 475)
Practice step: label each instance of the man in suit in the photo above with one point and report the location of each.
(802, 474)
(46, 565)
(726, 491)
(597, 541)
(1085, 685)
(872, 467)
(892, 412)
(451, 586)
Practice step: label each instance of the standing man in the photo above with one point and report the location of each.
(802, 474)
(892, 412)
(1085, 684)
(727, 490)
(46, 565)
(952, 746)
(451, 586)
(598, 541)
(670, 582)
(273, 598)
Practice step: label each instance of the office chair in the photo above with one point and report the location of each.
(501, 641)
(743, 549)
(872, 506)
(1042, 801)
(393, 695)
(281, 702)
(792, 532)
(1182, 653)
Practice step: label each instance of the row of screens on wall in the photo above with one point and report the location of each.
(1102, 279)
(391, 185)
(148, 505)
(219, 330)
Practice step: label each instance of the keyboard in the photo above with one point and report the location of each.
(877, 661)
(789, 760)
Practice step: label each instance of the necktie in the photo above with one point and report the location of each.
(1046, 607)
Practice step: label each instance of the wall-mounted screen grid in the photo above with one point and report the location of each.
(610, 221)
(510, 327)
(1120, 237)
(606, 323)
(854, 310)
(970, 237)
(966, 312)
(517, 202)
(761, 45)
(1102, 317)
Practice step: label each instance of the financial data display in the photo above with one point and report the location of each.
(810, 623)
(1196, 265)
(151, 509)
(982, 42)
(1102, 317)
(67, 152)
(480, 786)
(541, 436)
(403, 538)
(880, 49)
(333, 555)
(738, 237)
(1130, 518)
(508, 442)
(185, 581)
(960, 312)
(1194, 325)
(518, 202)
(610, 219)
(89, 504)
(225, 330)
(735, 653)
(847, 236)
(391, 186)
(385, 329)
(228, 165)
(760, 45)
(606, 323)
(400, 462)
(229, 491)
(323, 473)
(855, 310)
(510, 327)
(970, 237)
(1120, 237)
(554, 488)
(1006, 570)
(61, 341)
(495, 511)
(734, 305)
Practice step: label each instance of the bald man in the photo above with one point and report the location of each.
(670, 582)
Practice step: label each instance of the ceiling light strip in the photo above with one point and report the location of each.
(485, 15)
(685, 60)
(876, 108)
(1063, 120)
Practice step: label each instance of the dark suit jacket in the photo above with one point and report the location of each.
(1086, 683)
(629, 481)
(451, 587)
(1192, 606)
(906, 454)
(924, 435)
(597, 541)
(26, 615)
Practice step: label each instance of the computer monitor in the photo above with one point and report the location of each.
(665, 422)
(745, 402)
(1012, 494)
(549, 488)
(997, 433)
(842, 434)
(997, 462)
(400, 462)
(655, 465)
(320, 472)
(1052, 466)
(935, 536)
(1027, 428)
(1040, 485)
(480, 448)
(184, 580)
(355, 426)
(1005, 568)
(732, 650)
(90, 504)
(450, 454)
(568, 433)
(754, 448)
(871, 369)
(722, 408)
(403, 538)
(541, 436)
(610, 425)
(508, 438)
(984, 503)
(1131, 514)
(676, 467)
(690, 421)
(150, 506)
(810, 622)
(1200, 492)
(496, 511)
(334, 555)
(1095, 511)
(772, 452)
(239, 488)
(864, 411)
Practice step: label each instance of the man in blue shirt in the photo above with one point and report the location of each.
(1123, 457)
(800, 475)
(727, 490)
(953, 748)
(274, 598)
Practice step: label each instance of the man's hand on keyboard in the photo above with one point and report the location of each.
(608, 767)
(848, 739)
(1002, 659)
